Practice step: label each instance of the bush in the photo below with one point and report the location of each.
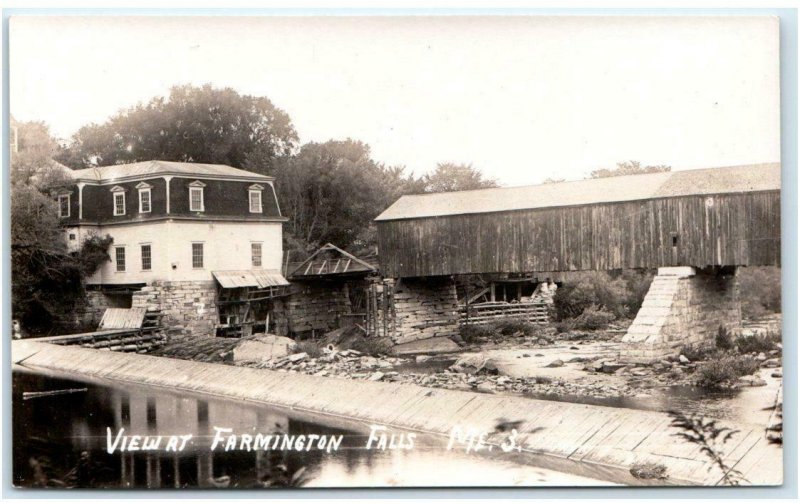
(757, 343)
(511, 326)
(697, 353)
(310, 347)
(723, 339)
(593, 288)
(593, 318)
(760, 291)
(637, 283)
(474, 333)
(725, 370)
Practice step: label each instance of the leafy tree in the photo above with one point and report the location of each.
(455, 177)
(331, 192)
(629, 168)
(193, 124)
(46, 280)
(550, 180)
(32, 164)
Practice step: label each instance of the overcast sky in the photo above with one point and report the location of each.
(523, 98)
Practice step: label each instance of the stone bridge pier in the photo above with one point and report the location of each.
(684, 307)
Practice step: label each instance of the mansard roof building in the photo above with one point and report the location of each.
(174, 221)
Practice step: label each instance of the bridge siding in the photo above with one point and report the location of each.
(738, 229)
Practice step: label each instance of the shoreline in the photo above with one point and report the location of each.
(591, 441)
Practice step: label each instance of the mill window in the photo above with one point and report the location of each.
(147, 258)
(255, 249)
(119, 255)
(197, 255)
(63, 205)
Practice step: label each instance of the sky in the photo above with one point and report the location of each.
(521, 98)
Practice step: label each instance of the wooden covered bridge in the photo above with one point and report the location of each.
(709, 221)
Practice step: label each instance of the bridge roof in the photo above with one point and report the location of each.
(733, 179)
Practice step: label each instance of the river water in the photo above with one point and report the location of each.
(62, 440)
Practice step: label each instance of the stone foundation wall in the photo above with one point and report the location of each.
(90, 310)
(189, 307)
(424, 309)
(682, 308)
(311, 307)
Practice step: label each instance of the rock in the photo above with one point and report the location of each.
(503, 380)
(295, 358)
(369, 361)
(777, 374)
(556, 363)
(771, 363)
(422, 358)
(574, 348)
(383, 364)
(439, 344)
(262, 348)
(751, 381)
(612, 367)
(578, 359)
(526, 355)
(761, 357)
(473, 363)
(486, 386)
(683, 359)
(376, 376)
(539, 355)
(542, 341)
(595, 366)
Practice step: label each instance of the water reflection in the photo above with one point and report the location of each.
(60, 441)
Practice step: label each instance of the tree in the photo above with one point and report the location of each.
(455, 177)
(193, 124)
(332, 191)
(629, 168)
(46, 280)
(32, 164)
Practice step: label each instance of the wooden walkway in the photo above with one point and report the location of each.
(592, 441)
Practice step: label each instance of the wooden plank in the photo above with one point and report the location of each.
(730, 229)
(122, 318)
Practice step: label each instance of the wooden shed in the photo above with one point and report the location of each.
(710, 217)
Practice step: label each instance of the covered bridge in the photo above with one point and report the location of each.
(695, 226)
(710, 217)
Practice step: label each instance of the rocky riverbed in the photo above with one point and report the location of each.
(512, 370)
(572, 364)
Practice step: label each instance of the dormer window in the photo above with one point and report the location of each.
(63, 205)
(145, 201)
(255, 198)
(118, 194)
(196, 203)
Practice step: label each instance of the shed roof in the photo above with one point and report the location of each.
(156, 168)
(330, 260)
(733, 179)
(234, 279)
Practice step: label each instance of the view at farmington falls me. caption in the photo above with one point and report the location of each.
(205, 296)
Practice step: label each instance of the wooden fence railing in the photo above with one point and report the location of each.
(484, 313)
